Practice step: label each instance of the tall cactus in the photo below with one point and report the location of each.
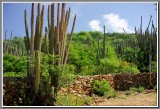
(141, 26)
(68, 46)
(45, 48)
(5, 43)
(26, 29)
(57, 39)
(104, 45)
(144, 46)
(98, 53)
(37, 71)
(51, 31)
(5, 34)
(34, 45)
(26, 39)
(10, 45)
(57, 36)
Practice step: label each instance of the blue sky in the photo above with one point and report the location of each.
(90, 16)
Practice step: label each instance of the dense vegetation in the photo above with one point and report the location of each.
(82, 58)
(51, 60)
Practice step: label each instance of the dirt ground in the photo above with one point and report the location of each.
(146, 98)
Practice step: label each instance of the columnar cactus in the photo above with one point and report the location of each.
(98, 53)
(34, 46)
(104, 45)
(57, 36)
(57, 39)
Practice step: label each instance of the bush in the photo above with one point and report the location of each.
(110, 94)
(140, 89)
(88, 70)
(108, 66)
(14, 64)
(66, 79)
(154, 66)
(73, 100)
(100, 87)
(126, 67)
(129, 92)
(112, 65)
(14, 74)
(67, 76)
(134, 89)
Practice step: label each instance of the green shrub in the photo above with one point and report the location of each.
(140, 89)
(66, 79)
(134, 70)
(14, 74)
(110, 94)
(88, 70)
(72, 100)
(128, 92)
(131, 90)
(122, 97)
(126, 67)
(100, 87)
(154, 66)
(108, 66)
(67, 76)
(112, 65)
(88, 100)
(134, 89)
(69, 68)
(14, 64)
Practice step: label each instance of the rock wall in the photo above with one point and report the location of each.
(13, 90)
(124, 81)
(119, 82)
(82, 86)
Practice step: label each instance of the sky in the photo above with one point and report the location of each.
(90, 16)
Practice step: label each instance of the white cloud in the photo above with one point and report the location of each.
(116, 24)
(95, 25)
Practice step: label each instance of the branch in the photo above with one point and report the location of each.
(125, 31)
